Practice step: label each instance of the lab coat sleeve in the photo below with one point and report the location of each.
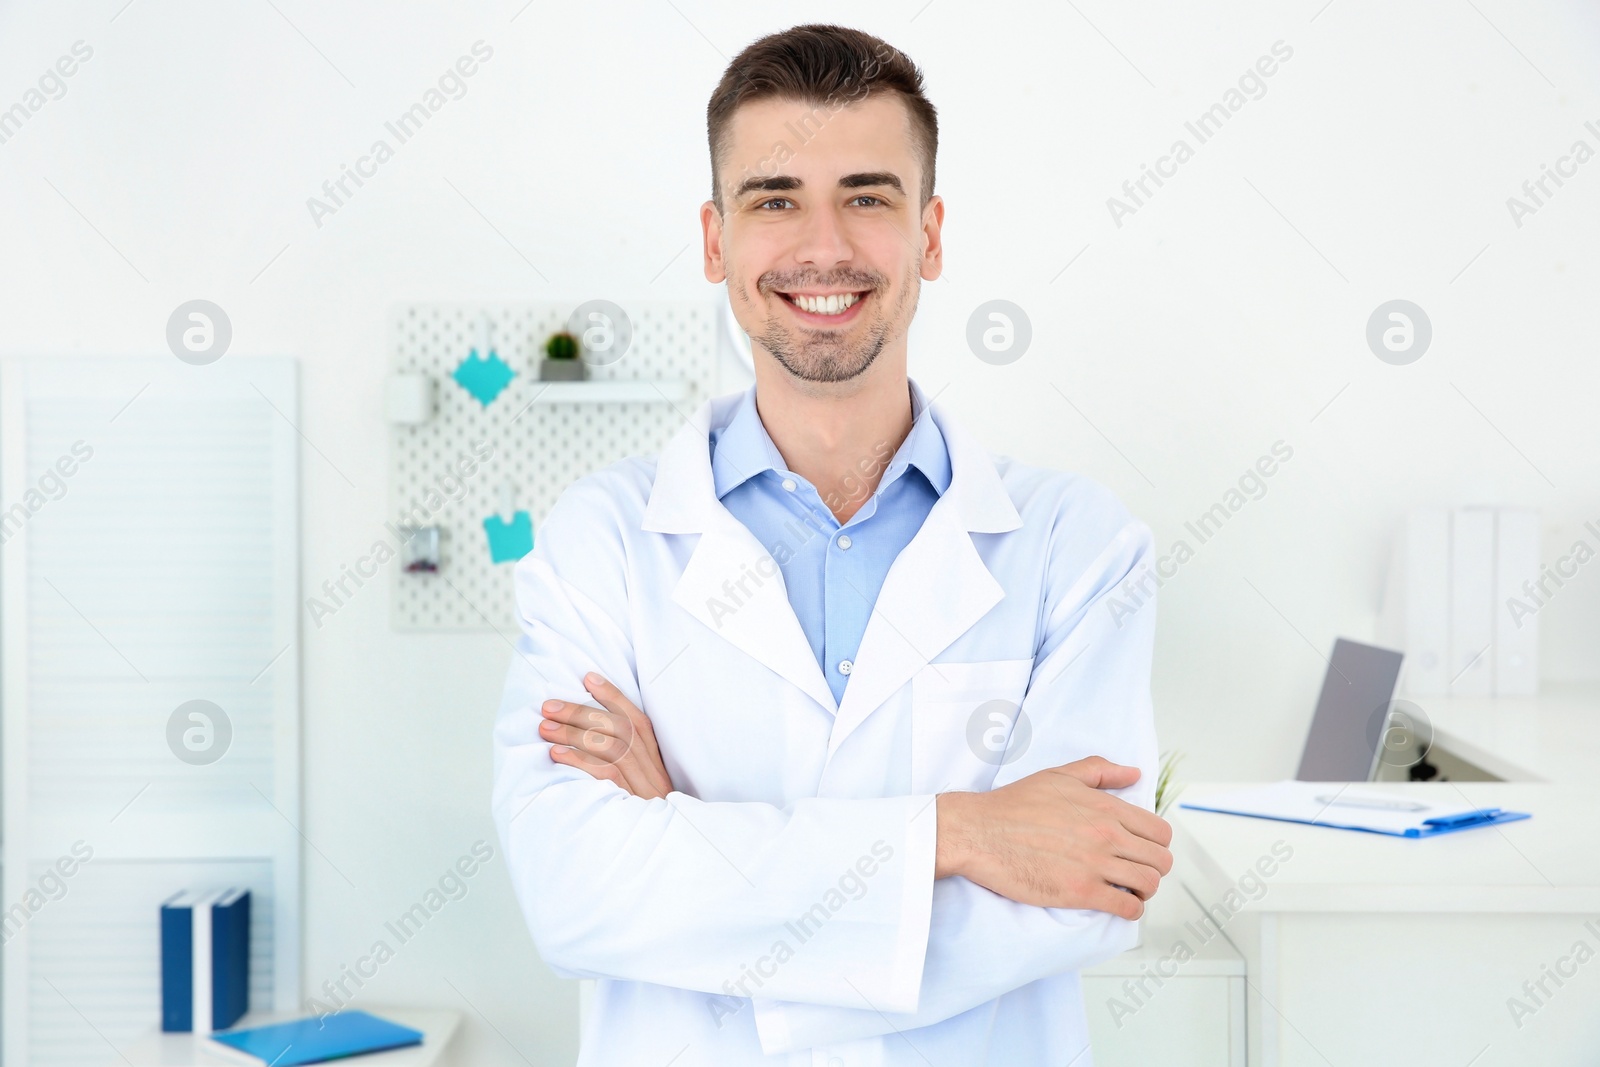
(723, 898)
(1089, 694)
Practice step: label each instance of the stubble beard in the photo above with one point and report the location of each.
(814, 355)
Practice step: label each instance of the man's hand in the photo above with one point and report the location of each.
(616, 744)
(1057, 839)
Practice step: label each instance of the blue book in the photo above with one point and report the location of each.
(315, 1040)
(205, 960)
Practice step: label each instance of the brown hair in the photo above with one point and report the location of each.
(829, 67)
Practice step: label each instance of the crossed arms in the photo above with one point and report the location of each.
(981, 893)
(1053, 839)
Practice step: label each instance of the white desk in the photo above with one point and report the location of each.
(185, 1050)
(1553, 737)
(1372, 950)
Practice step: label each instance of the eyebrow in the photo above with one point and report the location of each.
(781, 183)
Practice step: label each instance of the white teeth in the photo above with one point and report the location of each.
(826, 305)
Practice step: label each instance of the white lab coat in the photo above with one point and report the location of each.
(780, 906)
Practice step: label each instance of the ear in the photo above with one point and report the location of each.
(933, 239)
(711, 230)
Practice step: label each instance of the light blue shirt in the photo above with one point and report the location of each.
(832, 572)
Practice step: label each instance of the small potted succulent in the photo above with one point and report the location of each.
(562, 362)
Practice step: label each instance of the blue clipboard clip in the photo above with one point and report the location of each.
(1465, 818)
(1443, 824)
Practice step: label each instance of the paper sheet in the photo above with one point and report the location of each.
(1342, 804)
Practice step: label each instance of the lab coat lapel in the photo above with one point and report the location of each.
(730, 583)
(938, 586)
(725, 587)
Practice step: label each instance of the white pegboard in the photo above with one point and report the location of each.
(541, 442)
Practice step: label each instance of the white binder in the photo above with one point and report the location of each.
(1416, 603)
(1516, 632)
(1472, 602)
(1457, 602)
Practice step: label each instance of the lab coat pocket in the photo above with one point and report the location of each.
(966, 723)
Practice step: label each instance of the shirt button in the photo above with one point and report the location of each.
(844, 540)
(788, 485)
(845, 666)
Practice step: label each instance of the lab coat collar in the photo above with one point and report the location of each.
(935, 591)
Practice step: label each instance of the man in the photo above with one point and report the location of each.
(813, 746)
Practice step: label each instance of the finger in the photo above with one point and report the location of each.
(1110, 899)
(641, 772)
(601, 769)
(617, 702)
(595, 768)
(1142, 880)
(1140, 850)
(605, 725)
(1100, 773)
(654, 771)
(596, 743)
(641, 733)
(646, 732)
(645, 772)
(586, 716)
(1140, 821)
(642, 781)
(609, 696)
(1146, 824)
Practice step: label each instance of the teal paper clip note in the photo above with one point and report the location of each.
(484, 377)
(509, 541)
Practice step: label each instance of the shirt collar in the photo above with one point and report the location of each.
(744, 449)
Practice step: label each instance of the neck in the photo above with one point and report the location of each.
(839, 436)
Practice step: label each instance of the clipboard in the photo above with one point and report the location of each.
(1346, 806)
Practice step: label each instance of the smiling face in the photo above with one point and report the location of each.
(823, 242)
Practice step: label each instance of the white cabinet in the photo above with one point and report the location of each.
(1177, 1000)
(149, 671)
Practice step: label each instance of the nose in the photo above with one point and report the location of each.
(824, 239)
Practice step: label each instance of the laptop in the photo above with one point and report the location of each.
(1353, 716)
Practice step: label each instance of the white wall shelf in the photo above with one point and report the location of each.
(597, 392)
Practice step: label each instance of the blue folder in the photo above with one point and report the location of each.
(316, 1040)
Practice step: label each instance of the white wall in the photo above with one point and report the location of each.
(1221, 317)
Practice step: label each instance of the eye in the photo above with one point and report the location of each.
(868, 196)
(774, 200)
